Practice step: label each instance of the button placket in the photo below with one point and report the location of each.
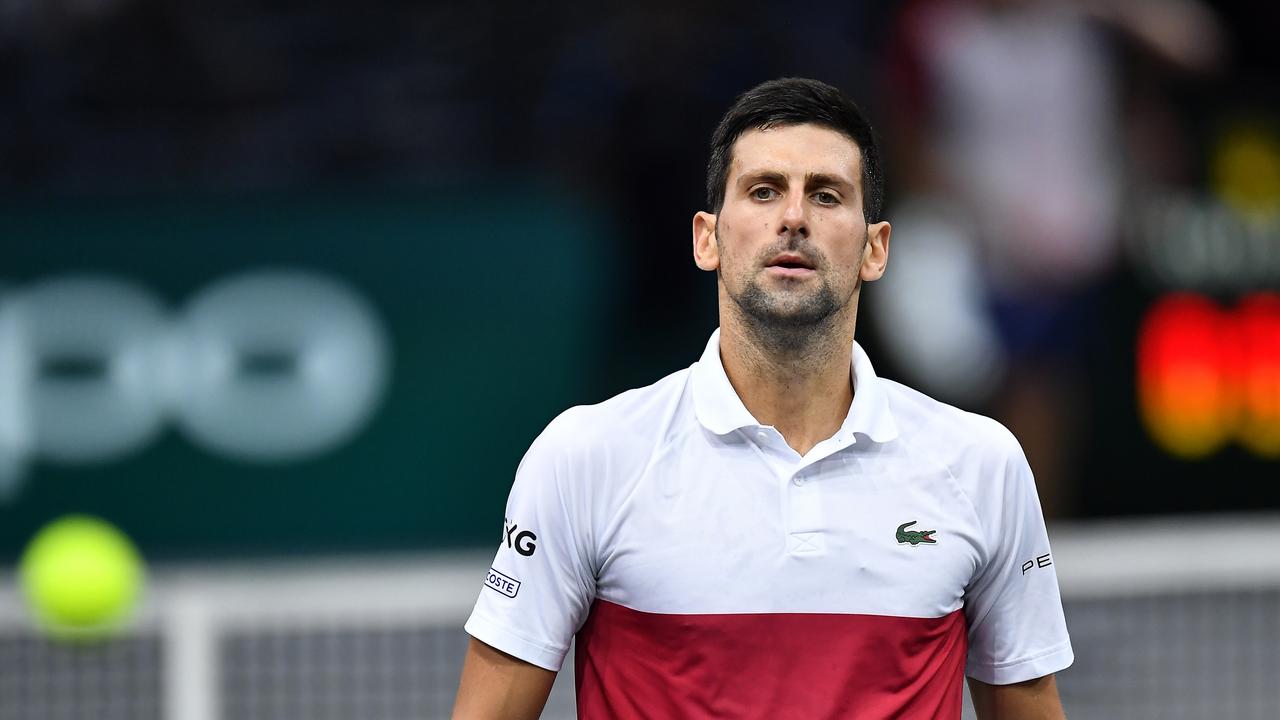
(806, 534)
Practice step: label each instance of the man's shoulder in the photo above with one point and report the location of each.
(953, 435)
(633, 417)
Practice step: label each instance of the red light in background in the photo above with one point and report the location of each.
(1259, 331)
(1208, 375)
(1182, 391)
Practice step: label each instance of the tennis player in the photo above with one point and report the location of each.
(775, 532)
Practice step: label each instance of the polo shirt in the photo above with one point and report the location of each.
(710, 571)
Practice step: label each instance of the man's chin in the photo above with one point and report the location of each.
(788, 308)
(791, 317)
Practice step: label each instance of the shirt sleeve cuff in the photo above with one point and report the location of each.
(531, 651)
(1051, 661)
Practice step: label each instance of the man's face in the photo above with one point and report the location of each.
(791, 237)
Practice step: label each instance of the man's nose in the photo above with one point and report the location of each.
(795, 220)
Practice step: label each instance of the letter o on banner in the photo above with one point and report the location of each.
(277, 366)
(92, 344)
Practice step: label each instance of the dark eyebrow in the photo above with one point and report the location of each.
(768, 176)
(823, 179)
(811, 180)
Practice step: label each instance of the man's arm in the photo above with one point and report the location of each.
(497, 686)
(1030, 700)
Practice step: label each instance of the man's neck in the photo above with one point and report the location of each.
(803, 390)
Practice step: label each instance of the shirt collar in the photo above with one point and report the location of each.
(869, 414)
(721, 411)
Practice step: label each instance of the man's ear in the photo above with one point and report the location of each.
(875, 254)
(706, 250)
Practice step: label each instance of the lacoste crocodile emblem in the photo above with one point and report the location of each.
(915, 537)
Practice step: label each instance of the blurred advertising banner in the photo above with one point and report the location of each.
(290, 373)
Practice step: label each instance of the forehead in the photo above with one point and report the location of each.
(797, 150)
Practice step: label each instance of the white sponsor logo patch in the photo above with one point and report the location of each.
(508, 586)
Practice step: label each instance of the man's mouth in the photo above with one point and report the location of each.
(790, 265)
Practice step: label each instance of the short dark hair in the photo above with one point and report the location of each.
(795, 101)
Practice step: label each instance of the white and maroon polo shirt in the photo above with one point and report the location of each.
(709, 571)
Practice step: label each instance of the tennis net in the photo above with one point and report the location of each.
(1170, 618)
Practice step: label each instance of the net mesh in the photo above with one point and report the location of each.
(1175, 656)
(328, 672)
(44, 680)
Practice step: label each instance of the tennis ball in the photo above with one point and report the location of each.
(81, 576)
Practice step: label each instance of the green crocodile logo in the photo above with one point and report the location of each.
(915, 537)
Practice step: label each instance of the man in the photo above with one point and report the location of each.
(775, 532)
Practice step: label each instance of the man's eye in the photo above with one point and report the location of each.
(763, 193)
(826, 198)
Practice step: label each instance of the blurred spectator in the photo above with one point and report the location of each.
(1007, 134)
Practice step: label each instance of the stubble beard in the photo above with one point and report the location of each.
(787, 321)
(792, 321)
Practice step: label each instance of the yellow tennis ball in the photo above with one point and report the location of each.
(81, 576)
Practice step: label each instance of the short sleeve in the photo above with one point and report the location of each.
(541, 584)
(1017, 630)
